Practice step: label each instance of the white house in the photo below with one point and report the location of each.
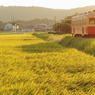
(11, 27)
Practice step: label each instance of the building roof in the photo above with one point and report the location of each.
(42, 24)
(13, 23)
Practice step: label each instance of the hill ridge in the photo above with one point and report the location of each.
(29, 13)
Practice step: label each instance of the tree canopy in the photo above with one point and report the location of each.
(65, 25)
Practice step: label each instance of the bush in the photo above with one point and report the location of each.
(66, 28)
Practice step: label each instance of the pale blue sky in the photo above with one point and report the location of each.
(55, 4)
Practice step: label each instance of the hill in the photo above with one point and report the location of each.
(28, 13)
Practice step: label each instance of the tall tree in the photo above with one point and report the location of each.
(68, 18)
(65, 25)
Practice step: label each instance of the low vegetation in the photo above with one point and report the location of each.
(46, 64)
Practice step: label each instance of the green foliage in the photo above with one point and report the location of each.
(65, 25)
(29, 24)
(67, 19)
(62, 27)
(66, 28)
(43, 64)
(83, 44)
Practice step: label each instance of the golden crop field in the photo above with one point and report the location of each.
(46, 64)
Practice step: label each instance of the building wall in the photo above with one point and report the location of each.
(8, 26)
(11, 27)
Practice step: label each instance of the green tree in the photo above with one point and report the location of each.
(2, 24)
(65, 25)
(56, 27)
(68, 18)
(65, 28)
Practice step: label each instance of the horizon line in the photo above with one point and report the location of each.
(43, 7)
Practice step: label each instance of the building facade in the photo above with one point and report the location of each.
(43, 27)
(11, 27)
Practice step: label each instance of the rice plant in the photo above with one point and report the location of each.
(43, 64)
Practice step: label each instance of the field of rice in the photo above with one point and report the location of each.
(46, 64)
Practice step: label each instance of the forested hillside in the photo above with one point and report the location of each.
(29, 13)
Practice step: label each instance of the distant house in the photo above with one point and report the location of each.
(11, 27)
(49, 27)
(29, 28)
(43, 27)
(1, 28)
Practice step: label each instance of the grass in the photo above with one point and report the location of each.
(46, 64)
(86, 45)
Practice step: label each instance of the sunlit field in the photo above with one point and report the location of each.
(46, 64)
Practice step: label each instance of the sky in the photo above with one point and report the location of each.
(54, 4)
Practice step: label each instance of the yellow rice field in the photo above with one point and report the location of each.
(43, 64)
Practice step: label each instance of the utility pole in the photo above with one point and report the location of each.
(11, 18)
(55, 22)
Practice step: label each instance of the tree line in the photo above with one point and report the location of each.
(23, 24)
(65, 25)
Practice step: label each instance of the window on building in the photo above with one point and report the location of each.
(91, 20)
